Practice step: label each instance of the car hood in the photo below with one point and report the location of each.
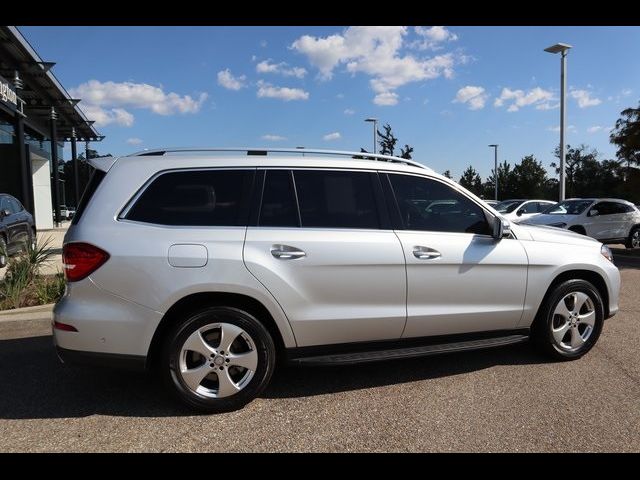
(545, 219)
(540, 233)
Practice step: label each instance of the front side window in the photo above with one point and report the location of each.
(336, 199)
(507, 206)
(427, 204)
(531, 207)
(568, 207)
(195, 198)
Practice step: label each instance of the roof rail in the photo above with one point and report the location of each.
(265, 151)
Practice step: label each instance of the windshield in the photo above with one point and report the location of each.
(568, 207)
(507, 206)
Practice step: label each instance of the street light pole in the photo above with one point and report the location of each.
(495, 171)
(375, 131)
(562, 49)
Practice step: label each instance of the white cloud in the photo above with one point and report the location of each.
(374, 51)
(281, 68)
(340, 96)
(332, 136)
(227, 80)
(626, 92)
(273, 138)
(349, 111)
(519, 98)
(570, 128)
(386, 99)
(266, 90)
(106, 116)
(584, 98)
(134, 141)
(263, 43)
(433, 37)
(474, 96)
(105, 102)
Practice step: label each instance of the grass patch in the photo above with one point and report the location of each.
(23, 286)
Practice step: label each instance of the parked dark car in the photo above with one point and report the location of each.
(17, 228)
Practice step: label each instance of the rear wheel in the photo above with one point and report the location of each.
(218, 359)
(570, 320)
(634, 238)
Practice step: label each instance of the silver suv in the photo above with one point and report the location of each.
(209, 266)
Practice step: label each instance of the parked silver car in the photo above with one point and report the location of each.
(210, 266)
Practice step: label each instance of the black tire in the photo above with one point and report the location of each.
(4, 256)
(542, 328)
(578, 229)
(635, 231)
(172, 351)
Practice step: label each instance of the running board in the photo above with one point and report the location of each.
(410, 352)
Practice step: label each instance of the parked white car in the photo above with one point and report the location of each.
(519, 210)
(609, 220)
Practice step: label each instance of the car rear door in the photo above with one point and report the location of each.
(460, 279)
(323, 247)
(603, 225)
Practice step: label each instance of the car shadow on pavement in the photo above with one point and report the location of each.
(34, 384)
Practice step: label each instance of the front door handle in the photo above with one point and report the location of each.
(425, 253)
(285, 252)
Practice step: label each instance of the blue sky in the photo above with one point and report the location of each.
(446, 91)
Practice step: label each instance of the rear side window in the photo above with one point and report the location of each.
(195, 198)
(278, 208)
(336, 199)
(96, 178)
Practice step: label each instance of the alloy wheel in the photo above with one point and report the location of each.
(218, 360)
(574, 318)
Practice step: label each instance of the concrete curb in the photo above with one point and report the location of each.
(39, 312)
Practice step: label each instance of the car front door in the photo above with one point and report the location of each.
(11, 222)
(460, 279)
(21, 224)
(321, 247)
(526, 211)
(600, 221)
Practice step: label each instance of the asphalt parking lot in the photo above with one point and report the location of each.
(507, 399)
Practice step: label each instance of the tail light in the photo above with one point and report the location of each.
(81, 259)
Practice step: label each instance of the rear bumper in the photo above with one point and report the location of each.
(97, 359)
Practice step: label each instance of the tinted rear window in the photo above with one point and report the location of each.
(336, 199)
(278, 207)
(195, 198)
(94, 181)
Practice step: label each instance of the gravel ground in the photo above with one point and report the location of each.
(507, 399)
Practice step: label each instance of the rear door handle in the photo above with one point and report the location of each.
(425, 253)
(285, 252)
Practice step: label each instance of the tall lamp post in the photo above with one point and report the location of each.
(375, 131)
(495, 171)
(562, 49)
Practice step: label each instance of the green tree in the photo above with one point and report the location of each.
(529, 178)
(506, 185)
(575, 159)
(406, 151)
(447, 173)
(471, 180)
(387, 140)
(626, 136)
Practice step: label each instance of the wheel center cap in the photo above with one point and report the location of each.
(218, 360)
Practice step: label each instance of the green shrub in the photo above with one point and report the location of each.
(23, 286)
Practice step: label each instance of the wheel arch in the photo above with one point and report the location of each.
(195, 301)
(590, 276)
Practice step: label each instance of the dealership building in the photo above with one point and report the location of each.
(37, 117)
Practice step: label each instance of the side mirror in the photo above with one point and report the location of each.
(520, 212)
(501, 228)
(4, 213)
(593, 213)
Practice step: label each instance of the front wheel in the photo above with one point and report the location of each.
(570, 320)
(634, 238)
(218, 359)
